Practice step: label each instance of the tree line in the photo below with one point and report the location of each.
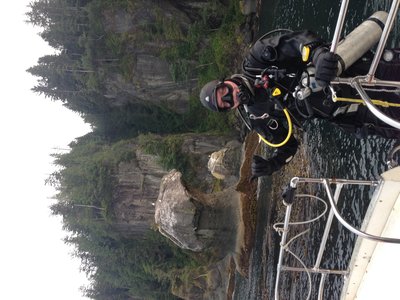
(85, 55)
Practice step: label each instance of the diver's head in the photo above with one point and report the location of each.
(220, 95)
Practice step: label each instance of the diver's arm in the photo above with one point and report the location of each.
(283, 51)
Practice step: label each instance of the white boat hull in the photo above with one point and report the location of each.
(374, 265)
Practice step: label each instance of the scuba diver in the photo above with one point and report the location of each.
(285, 81)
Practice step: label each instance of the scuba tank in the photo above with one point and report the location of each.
(360, 40)
(349, 50)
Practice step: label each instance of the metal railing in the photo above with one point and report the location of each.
(284, 228)
(369, 79)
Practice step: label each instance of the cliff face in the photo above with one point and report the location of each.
(151, 79)
(138, 186)
(138, 181)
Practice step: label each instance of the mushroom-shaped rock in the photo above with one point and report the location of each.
(195, 220)
(215, 164)
(225, 163)
(177, 213)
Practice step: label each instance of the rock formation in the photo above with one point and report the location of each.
(222, 223)
(224, 164)
(177, 214)
(139, 179)
(197, 221)
(138, 183)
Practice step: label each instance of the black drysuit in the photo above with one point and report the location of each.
(283, 52)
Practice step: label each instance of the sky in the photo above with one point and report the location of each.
(35, 263)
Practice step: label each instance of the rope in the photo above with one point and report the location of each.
(276, 225)
(307, 272)
(382, 90)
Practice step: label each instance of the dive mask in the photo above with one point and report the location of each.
(227, 98)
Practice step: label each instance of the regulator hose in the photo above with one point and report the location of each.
(290, 130)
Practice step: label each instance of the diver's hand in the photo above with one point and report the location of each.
(326, 67)
(261, 167)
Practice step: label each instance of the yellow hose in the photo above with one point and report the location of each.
(342, 99)
(290, 129)
(374, 101)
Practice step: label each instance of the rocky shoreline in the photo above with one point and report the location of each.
(239, 262)
(217, 281)
(248, 205)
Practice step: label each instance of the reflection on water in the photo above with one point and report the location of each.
(334, 153)
(318, 15)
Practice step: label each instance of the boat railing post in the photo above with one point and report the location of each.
(339, 25)
(383, 40)
(327, 228)
(282, 248)
(364, 82)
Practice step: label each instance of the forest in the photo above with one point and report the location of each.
(94, 72)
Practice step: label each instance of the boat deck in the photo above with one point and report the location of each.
(374, 265)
